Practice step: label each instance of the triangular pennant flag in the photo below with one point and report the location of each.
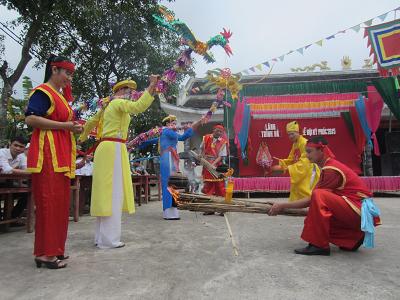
(259, 67)
(275, 59)
(291, 51)
(342, 31)
(330, 37)
(300, 50)
(371, 51)
(308, 46)
(252, 69)
(365, 35)
(356, 28)
(266, 64)
(281, 57)
(383, 17)
(369, 22)
(319, 43)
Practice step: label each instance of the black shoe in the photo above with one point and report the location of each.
(56, 264)
(355, 248)
(172, 219)
(62, 257)
(313, 250)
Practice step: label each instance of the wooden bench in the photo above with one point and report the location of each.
(9, 199)
(142, 183)
(153, 179)
(7, 195)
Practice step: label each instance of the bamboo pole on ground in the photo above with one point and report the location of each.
(235, 248)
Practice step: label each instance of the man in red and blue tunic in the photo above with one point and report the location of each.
(213, 149)
(338, 207)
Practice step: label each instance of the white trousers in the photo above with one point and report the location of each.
(171, 213)
(108, 229)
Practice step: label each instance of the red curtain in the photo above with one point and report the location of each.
(341, 143)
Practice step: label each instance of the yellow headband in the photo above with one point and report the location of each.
(169, 118)
(125, 83)
(292, 126)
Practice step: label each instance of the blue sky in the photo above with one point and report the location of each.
(264, 29)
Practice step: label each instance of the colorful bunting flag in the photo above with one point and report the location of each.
(384, 40)
(369, 22)
(383, 17)
(356, 28)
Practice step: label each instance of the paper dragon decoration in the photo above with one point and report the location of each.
(167, 20)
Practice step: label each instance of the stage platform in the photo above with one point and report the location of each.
(377, 184)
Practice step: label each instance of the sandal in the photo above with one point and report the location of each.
(62, 257)
(56, 264)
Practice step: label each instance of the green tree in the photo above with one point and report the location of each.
(16, 113)
(126, 44)
(108, 41)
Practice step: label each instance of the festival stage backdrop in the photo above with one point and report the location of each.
(331, 115)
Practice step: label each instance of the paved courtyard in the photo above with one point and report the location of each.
(193, 259)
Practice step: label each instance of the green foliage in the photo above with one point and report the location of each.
(16, 113)
(26, 86)
(108, 41)
(16, 119)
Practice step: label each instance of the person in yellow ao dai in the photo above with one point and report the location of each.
(112, 190)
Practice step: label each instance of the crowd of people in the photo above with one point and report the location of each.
(332, 192)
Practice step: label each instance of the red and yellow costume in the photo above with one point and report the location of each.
(334, 215)
(51, 160)
(212, 150)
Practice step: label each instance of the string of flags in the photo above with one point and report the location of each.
(267, 64)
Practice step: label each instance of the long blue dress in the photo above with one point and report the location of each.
(167, 145)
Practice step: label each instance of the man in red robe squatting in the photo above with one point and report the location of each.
(340, 212)
(213, 149)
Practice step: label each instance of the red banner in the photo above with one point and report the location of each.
(273, 132)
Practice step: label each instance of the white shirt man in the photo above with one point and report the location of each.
(13, 161)
(9, 163)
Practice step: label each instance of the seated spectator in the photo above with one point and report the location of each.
(138, 169)
(13, 161)
(84, 165)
